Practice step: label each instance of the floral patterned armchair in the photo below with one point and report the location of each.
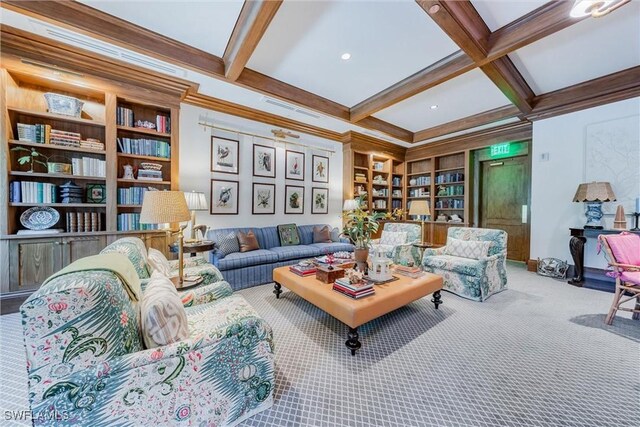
(475, 279)
(87, 364)
(397, 244)
(213, 286)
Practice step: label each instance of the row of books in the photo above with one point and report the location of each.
(32, 192)
(131, 222)
(144, 147)
(149, 175)
(131, 195)
(88, 166)
(163, 123)
(303, 269)
(44, 134)
(38, 133)
(83, 222)
(124, 116)
(353, 290)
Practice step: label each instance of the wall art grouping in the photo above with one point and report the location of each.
(294, 165)
(264, 161)
(320, 168)
(224, 155)
(319, 200)
(224, 197)
(264, 199)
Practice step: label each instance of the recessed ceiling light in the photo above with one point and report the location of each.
(434, 107)
(346, 56)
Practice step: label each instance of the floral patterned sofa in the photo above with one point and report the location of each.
(395, 246)
(475, 279)
(87, 364)
(213, 286)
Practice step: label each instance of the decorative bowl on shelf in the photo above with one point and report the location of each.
(39, 218)
(64, 105)
(150, 166)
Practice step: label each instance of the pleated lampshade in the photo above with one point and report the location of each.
(196, 201)
(594, 192)
(159, 207)
(419, 207)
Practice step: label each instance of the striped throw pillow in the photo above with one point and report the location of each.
(162, 314)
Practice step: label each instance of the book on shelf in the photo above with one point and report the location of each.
(144, 147)
(32, 192)
(88, 166)
(83, 222)
(92, 144)
(131, 222)
(163, 123)
(151, 175)
(131, 195)
(38, 133)
(124, 116)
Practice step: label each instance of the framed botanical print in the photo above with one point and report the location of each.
(319, 200)
(294, 165)
(293, 199)
(224, 197)
(264, 199)
(264, 161)
(224, 155)
(320, 165)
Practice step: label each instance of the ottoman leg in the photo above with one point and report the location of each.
(278, 289)
(436, 300)
(352, 343)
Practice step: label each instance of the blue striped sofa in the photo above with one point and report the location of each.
(245, 269)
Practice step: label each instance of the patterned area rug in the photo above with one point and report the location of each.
(538, 354)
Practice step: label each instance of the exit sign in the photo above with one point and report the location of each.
(500, 150)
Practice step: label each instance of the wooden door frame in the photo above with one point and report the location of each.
(521, 148)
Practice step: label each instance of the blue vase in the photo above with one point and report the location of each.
(594, 215)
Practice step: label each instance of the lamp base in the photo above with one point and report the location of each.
(187, 282)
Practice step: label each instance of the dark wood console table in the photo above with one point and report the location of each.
(576, 246)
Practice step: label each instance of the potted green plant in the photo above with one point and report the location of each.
(359, 225)
(30, 158)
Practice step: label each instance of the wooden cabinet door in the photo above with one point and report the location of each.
(80, 247)
(157, 241)
(32, 261)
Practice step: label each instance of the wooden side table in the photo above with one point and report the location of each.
(422, 246)
(194, 248)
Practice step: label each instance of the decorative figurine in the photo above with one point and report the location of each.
(620, 222)
(442, 190)
(128, 172)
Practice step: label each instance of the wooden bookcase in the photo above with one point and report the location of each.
(32, 257)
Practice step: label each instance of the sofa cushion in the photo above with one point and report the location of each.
(248, 241)
(474, 249)
(285, 253)
(247, 259)
(215, 315)
(335, 234)
(321, 234)
(393, 238)
(270, 237)
(163, 319)
(288, 235)
(325, 248)
(228, 244)
(625, 248)
(466, 266)
(217, 235)
(158, 262)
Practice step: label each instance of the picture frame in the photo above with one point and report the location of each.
(264, 161)
(264, 199)
(225, 155)
(223, 197)
(96, 193)
(319, 200)
(294, 165)
(320, 169)
(293, 200)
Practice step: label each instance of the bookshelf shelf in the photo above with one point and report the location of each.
(61, 205)
(142, 157)
(56, 147)
(143, 181)
(129, 206)
(450, 169)
(144, 131)
(56, 176)
(58, 117)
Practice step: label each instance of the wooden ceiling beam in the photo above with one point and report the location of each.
(255, 17)
(453, 65)
(464, 25)
(491, 116)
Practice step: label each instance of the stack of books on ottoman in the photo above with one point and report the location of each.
(413, 272)
(353, 290)
(303, 268)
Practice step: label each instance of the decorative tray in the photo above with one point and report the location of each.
(39, 218)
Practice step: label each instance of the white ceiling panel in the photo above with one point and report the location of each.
(498, 13)
(388, 41)
(206, 25)
(589, 49)
(469, 94)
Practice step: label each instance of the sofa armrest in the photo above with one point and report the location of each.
(205, 294)
(189, 262)
(434, 251)
(230, 369)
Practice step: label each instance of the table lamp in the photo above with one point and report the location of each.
(420, 208)
(593, 194)
(350, 205)
(196, 201)
(159, 207)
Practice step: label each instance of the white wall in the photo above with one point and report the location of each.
(195, 155)
(554, 181)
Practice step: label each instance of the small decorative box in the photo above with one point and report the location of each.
(329, 276)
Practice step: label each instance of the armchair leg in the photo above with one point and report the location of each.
(615, 303)
(636, 309)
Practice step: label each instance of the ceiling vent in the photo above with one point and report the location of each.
(107, 49)
(290, 107)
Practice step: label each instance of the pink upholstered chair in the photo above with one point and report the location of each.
(623, 254)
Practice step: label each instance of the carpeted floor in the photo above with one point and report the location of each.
(538, 354)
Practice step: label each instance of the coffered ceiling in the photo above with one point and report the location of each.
(481, 62)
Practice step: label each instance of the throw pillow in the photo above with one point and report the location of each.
(474, 249)
(335, 235)
(228, 244)
(321, 234)
(393, 238)
(158, 262)
(162, 315)
(288, 235)
(248, 241)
